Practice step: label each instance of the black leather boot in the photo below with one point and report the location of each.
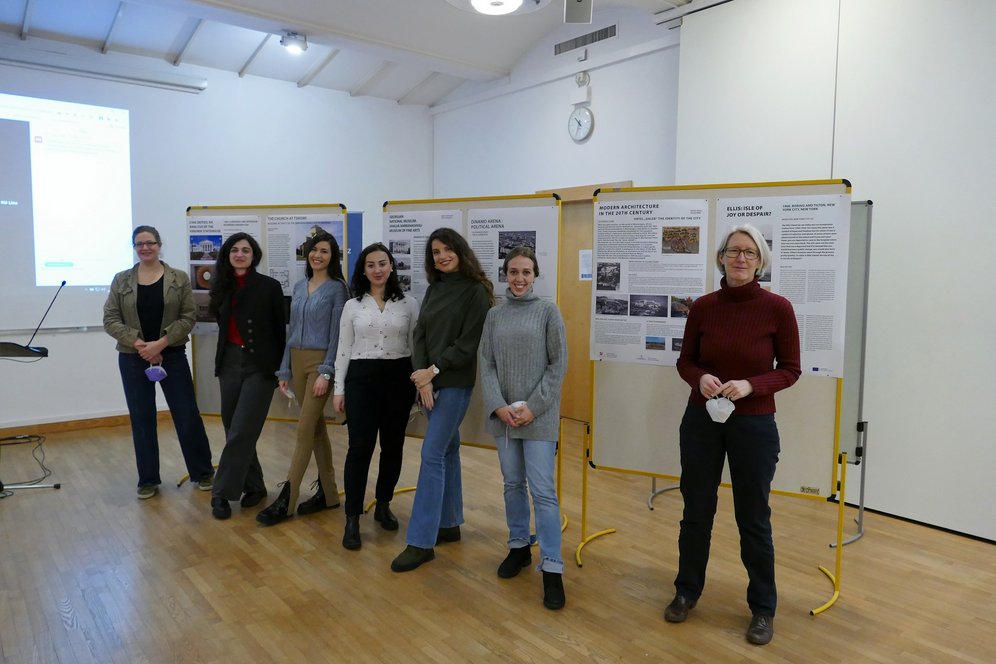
(317, 502)
(351, 538)
(384, 516)
(515, 560)
(278, 510)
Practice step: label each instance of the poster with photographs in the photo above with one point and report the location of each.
(494, 232)
(808, 238)
(286, 236)
(205, 237)
(651, 262)
(405, 234)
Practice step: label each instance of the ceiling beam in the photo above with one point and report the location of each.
(25, 22)
(378, 76)
(310, 76)
(245, 67)
(418, 86)
(183, 51)
(114, 24)
(677, 13)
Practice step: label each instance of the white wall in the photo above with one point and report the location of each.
(907, 118)
(511, 138)
(242, 141)
(915, 134)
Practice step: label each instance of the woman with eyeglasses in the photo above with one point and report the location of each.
(742, 343)
(249, 307)
(307, 367)
(150, 312)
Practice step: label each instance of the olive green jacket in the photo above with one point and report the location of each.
(121, 309)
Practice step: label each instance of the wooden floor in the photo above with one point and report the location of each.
(90, 574)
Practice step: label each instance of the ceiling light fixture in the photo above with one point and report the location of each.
(294, 43)
(500, 7)
(496, 7)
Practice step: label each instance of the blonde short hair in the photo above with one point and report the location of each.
(757, 237)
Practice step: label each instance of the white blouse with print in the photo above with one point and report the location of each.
(367, 333)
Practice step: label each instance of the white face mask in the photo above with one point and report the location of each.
(720, 409)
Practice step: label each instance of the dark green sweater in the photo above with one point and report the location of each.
(449, 329)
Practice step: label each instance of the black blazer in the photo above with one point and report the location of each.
(260, 318)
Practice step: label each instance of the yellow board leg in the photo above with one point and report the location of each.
(835, 577)
(374, 501)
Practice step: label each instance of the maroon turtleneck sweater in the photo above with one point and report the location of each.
(742, 333)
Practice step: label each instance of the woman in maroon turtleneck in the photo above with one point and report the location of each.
(741, 342)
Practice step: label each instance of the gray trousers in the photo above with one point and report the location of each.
(245, 400)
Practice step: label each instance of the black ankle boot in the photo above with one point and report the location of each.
(317, 502)
(351, 538)
(553, 590)
(515, 560)
(278, 510)
(384, 516)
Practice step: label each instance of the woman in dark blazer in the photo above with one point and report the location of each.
(249, 308)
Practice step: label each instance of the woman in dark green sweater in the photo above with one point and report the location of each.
(445, 351)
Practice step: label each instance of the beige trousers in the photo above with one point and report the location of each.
(312, 434)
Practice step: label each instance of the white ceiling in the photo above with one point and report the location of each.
(409, 51)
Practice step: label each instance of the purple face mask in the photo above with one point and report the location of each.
(155, 373)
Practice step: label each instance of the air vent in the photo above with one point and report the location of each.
(584, 40)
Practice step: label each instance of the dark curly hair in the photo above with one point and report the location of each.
(223, 279)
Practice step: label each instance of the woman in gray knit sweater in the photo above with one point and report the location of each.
(523, 359)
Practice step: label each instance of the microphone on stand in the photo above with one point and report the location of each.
(9, 349)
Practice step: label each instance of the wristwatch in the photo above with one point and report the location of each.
(434, 369)
(326, 376)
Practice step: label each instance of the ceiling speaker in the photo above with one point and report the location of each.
(577, 11)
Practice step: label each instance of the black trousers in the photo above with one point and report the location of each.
(750, 442)
(379, 396)
(246, 394)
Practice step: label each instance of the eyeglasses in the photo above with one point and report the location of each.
(749, 254)
(143, 245)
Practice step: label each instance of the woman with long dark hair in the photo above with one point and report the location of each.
(445, 350)
(150, 312)
(316, 307)
(249, 308)
(373, 386)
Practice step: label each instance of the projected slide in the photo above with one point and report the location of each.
(65, 205)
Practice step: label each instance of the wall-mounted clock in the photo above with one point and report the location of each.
(580, 123)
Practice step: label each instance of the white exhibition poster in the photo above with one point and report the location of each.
(495, 232)
(808, 237)
(405, 234)
(205, 236)
(286, 235)
(650, 264)
(584, 264)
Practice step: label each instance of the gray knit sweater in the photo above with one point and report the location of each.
(523, 357)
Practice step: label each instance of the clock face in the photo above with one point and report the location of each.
(580, 124)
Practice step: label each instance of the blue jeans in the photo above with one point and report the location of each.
(439, 492)
(140, 395)
(527, 463)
